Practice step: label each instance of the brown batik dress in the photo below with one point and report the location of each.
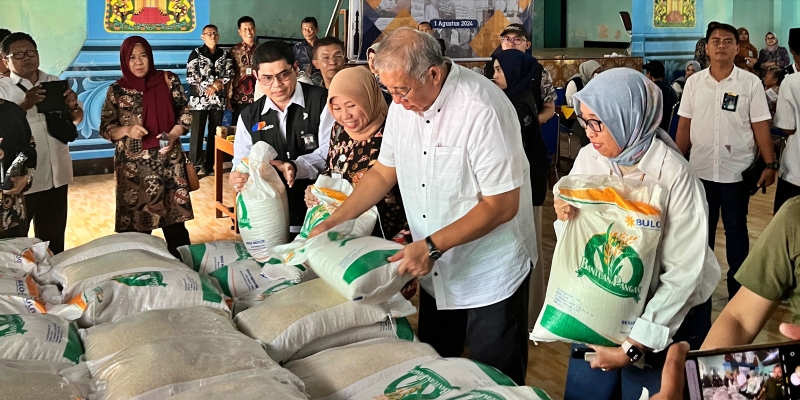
(152, 189)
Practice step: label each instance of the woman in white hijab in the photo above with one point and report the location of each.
(587, 71)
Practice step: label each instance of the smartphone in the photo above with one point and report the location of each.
(744, 372)
(53, 96)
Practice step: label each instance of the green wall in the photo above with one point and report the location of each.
(57, 26)
(757, 16)
(596, 20)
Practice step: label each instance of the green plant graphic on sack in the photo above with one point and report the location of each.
(604, 262)
(141, 279)
(419, 384)
(241, 251)
(11, 324)
(241, 214)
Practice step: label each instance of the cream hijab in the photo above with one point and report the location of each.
(358, 85)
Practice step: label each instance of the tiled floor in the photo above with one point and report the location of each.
(91, 215)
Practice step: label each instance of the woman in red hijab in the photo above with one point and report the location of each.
(144, 115)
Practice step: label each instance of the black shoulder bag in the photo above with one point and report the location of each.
(59, 123)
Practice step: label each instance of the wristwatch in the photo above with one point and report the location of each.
(433, 252)
(632, 351)
(774, 165)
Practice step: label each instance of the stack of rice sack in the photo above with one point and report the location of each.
(397, 369)
(162, 353)
(603, 262)
(123, 274)
(36, 349)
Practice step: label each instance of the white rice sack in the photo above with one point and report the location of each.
(127, 294)
(84, 275)
(504, 393)
(40, 380)
(603, 261)
(29, 254)
(252, 384)
(107, 339)
(292, 318)
(391, 328)
(39, 337)
(243, 277)
(111, 244)
(254, 298)
(208, 257)
(276, 269)
(10, 304)
(14, 281)
(331, 193)
(163, 368)
(340, 372)
(357, 267)
(262, 209)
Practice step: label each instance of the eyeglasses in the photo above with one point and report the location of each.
(268, 80)
(515, 40)
(22, 54)
(332, 60)
(593, 124)
(212, 34)
(403, 96)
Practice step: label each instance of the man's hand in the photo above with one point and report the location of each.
(767, 178)
(71, 99)
(310, 199)
(609, 358)
(237, 180)
(287, 169)
(416, 260)
(564, 211)
(673, 375)
(33, 96)
(19, 184)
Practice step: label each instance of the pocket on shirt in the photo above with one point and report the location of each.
(447, 170)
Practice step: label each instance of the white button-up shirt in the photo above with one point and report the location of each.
(466, 146)
(787, 115)
(688, 271)
(722, 141)
(309, 166)
(53, 163)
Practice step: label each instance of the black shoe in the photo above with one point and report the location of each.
(208, 171)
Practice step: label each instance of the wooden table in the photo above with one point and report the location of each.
(222, 146)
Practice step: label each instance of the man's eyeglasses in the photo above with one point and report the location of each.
(593, 124)
(22, 54)
(332, 60)
(401, 96)
(212, 34)
(515, 40)
(268, 80)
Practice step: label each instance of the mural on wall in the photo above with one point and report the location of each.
(674, 13)
(151, 16)
(469, 28)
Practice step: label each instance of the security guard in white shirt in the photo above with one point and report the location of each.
(724, 120)
(452, 142)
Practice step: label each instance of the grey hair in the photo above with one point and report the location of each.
(409, 51)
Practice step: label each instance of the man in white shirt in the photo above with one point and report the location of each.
(293, 118)
(787, 116)
(46, 201)
(724, 121)
(794, 48)
(452, 143)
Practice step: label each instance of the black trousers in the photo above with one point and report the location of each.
(176, 236)
(497, 334)
(733, 200)
(48, 212)
(199, 120)
(785, 191)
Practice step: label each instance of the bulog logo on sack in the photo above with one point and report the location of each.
(419, 383)
(141, 279)
(244, 221)
(604, 259)
(642, 223)
(11, 324)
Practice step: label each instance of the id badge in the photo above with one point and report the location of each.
(249, 71)
(309, 141)
(336, 175)
(729, 101)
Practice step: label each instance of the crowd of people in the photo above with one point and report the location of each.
(458, 169)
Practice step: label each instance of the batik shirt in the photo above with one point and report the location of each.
(244, 83)
(202, 70)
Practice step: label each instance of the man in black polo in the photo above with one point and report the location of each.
(655, 72)
(296, 122)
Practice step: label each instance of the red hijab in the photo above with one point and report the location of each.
(158, 114)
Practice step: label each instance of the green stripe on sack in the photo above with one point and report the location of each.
(221, 275)
(562, 324)
(210, 292)
(404, 330)
(541, 393)
(495, 374)
(197, 251)
(74, 349)
(362, 265)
